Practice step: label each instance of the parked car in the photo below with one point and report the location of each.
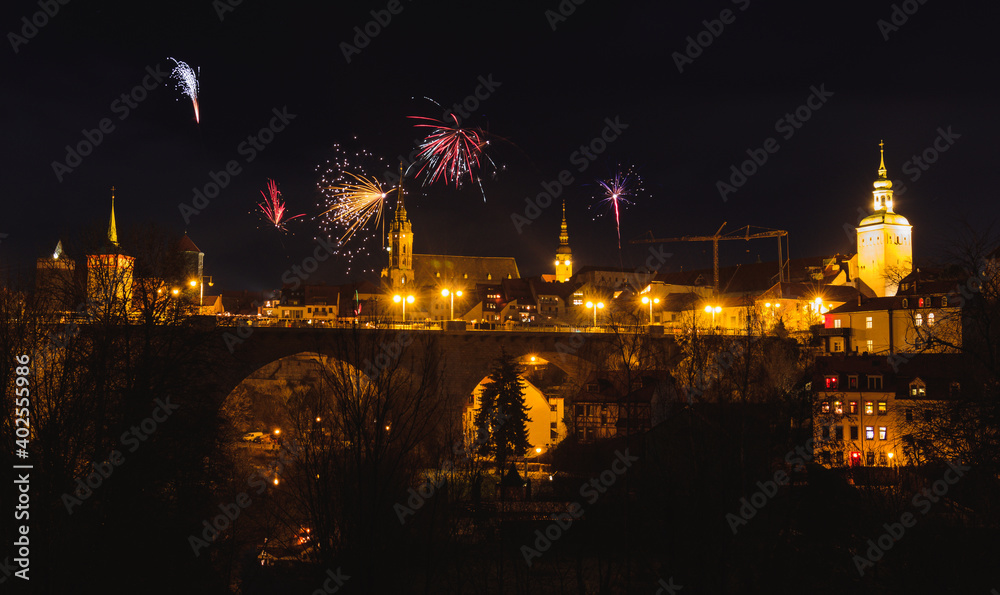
(253, 436)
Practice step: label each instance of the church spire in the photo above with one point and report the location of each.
(400, 206)
(112, 227)
(563, 230)
(883, 185)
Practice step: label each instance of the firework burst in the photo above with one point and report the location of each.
(353, 202)
(614, 192)
(274, 208)
(187, 83)
(453, 154)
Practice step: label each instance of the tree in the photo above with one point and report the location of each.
(501, 421)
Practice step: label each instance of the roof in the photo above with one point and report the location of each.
(186, 245)
(756, 277)
(891, 303)
(434, 269)
(883, 217)
(608, 389)
(936, 370)
(810, 291)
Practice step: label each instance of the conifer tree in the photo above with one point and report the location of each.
(501, 421)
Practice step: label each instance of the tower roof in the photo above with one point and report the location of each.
(186, 245)
(112, 227)
(400, 206)
(563, 233)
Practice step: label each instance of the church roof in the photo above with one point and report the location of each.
(435, 269)
(884, 217)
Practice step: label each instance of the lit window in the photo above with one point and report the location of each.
(831, 382)
(869, 432)
(870, 346)
(852, 407)
(918, 388)
(868, 322)
(883, 407)
(882, 431)
(825, 407)
(920, 303)
(838, 407)
(836, 323)
(919, 319)
(930, 319)
(869, 407)
(852, 383)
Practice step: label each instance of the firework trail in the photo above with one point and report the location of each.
(353, 197)
(615, 189)
(274, 208)
(452, 153)
(187, 83)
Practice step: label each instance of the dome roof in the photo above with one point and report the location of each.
(884, 217)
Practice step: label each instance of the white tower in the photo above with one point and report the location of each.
(885, 249)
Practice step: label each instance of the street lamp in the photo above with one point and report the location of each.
(646, 300)
(403, 300)
(201, 293)
(713, 311)
(452, 294)
(598, 305)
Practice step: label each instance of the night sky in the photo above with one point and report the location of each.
(605, 60)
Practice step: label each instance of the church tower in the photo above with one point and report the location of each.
(564, 256)
(885, 250)
(109, 273)
(400, 245)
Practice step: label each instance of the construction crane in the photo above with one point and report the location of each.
(746, 233)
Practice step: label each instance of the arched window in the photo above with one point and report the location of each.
(919, 321)
(930, 319)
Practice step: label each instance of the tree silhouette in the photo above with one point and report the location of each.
(501, 421)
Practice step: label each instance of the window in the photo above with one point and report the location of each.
(838, 407)
(930, 319)
(874, 383)
(869, 432)
(836, 346)
(882, 407)
(852, 407)
(870, 456)
(825, 434)
(954, 389)
(909, 415)
(869, 407)
(919, 320)
(836, 323)
(838, 457)
(920, 303)
(870, 346)
(905, 304)
(944, 301)
(928, 416)
(838, 433)
(852, 383)
(854, 432)
(917, 388)
(882, 432)
(831, 382)
(868, 322)
(825, 407)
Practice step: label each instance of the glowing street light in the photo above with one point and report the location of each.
(452, 294)
(646, 300)
(403, 300)
(597, 306)
(713, 311)
(201, 293)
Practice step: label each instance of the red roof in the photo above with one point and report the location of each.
(186, 245)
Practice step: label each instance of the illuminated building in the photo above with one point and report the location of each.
(109, 273)
(885, 250)
(564, 256)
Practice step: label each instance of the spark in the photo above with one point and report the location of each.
(187, 83)
(615, 189)
(355, 186)
(453, 154)
(274, 208)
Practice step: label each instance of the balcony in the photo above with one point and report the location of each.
(835, 332)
